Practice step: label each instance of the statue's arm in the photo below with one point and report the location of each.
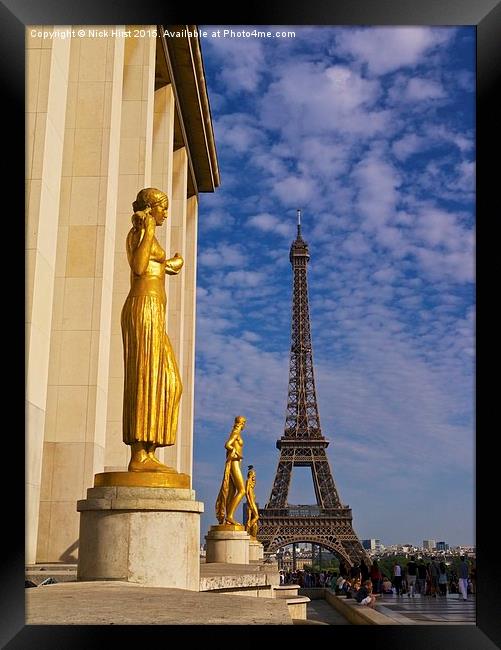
(139, 255)
(230, 446)
(174, 264)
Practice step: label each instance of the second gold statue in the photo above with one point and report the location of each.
(251, 525)
(232, 487)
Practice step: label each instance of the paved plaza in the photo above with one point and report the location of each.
(125, 603)
(402, 610)
(321, 612)
(451, 610)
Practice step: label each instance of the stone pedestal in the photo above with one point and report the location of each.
(256, 550)
(145, 535)
(227, 543)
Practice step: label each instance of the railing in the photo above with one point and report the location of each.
(305, 511)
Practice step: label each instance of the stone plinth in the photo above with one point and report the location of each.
(144, 535)
(286, 591)
(256, 550)
(255, 579)
(298, 607)
(228, 544)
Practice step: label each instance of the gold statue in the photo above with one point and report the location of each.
(152, 383)
(252, 511)
(232, 488)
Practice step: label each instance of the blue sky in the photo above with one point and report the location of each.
(370, 131)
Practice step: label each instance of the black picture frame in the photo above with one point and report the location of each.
(486, 16)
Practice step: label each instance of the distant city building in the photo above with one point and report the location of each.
(429, 544)
(442, 546)
(372, 544)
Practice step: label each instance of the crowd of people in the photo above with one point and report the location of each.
(366, 582)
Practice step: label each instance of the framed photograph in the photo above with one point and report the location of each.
(350, 134)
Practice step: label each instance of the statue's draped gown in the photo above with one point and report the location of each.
(152, 383)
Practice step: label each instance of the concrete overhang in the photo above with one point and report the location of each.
(179, 61)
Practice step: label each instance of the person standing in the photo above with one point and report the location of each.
(411, 572)
(442, 578)
(421, 580)
(376, 577)
(364, 571)
(464, 571)
(355, 572)
(397, 577)
(434, 576)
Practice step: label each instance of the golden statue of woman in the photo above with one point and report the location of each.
(152, 383)
(232, 488)
(252, 511)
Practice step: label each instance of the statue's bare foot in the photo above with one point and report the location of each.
(230, 520)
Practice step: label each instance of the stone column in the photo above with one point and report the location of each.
(80, 336)
(47, 65)
(163, 140)
(175, 287)
(188, 371)
(161, 171)
(135, 168)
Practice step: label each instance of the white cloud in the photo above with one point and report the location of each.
(295, 190)
(270, 223)
(387, 49)
(242, 62)
(223, 255)
(238, 132)
(465, 177)
(377, 182)
(386, 274)
(391, 238)
(409, 144)
(216, 219)
(244, 279)
(313, 99)
(457, 266)
(233, 381)
(422, 89)
(356, 244)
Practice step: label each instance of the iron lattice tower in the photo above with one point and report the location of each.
(329, 523)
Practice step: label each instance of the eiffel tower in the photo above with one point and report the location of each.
(329, 523)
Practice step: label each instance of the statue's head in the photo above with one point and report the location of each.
(156, 200)
(148, 198)
(251, 471)
(240, 421)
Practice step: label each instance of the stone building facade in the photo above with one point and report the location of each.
(105, 116)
